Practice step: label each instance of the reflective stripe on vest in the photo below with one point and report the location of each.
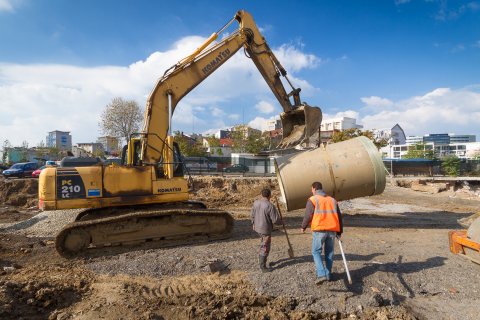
(325, 215)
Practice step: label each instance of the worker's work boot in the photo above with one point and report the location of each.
(263, 264)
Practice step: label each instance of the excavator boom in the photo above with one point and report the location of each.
(189, 72)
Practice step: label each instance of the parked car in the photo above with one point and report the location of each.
(36, 173)
(20, 170)
(236, 168)
(3, 167)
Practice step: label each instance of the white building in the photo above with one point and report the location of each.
(342, 123)
(413, 140)
(394, 136)
(110, 144)
(61, 140)
(274, 124)
(93, 148)
(467, 150)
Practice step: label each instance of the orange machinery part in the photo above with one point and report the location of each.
(458, 240)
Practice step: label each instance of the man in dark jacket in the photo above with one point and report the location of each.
(323, 215)
(264, 215)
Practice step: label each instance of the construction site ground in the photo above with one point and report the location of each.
(396, 245)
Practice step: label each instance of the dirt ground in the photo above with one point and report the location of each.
(396, 245)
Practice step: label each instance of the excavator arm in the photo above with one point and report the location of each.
(299, 121)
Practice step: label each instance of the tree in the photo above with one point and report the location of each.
(451, 165)
(189, 147)
(6, 145)
(121, 118)
(251, 143)
(24, 151)
(419, 151)
(348, 134)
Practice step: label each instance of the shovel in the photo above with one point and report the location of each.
(344, 260)
(290, 249)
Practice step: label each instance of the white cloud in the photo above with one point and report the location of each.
(260, 123)
(294, 60)
(374, 101)
(38, 98)
(6, 5)
(347, 113)
(265, 107)
(442, 110)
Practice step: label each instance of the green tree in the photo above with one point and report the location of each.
(348, 134)
(212, 141)
(451, 165)
(419, 151)
(254, 142)
(5, 147)
(121, 118)
(189, 148)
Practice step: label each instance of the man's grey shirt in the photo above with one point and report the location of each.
(264, 215)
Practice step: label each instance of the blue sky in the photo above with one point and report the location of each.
(383, 62)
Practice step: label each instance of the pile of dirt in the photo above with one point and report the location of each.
(228, 191)
(35, 293)
(19, 192)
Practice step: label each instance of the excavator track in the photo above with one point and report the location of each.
(166, 225)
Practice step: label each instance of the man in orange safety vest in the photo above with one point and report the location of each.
(323, 215)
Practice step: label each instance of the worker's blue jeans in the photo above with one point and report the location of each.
(325, 240)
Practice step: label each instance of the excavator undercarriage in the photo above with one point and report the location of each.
(166, 224)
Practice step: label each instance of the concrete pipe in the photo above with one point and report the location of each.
(347, 170)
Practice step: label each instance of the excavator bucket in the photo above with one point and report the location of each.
(301, 127)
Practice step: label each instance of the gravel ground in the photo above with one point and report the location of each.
(396, 246)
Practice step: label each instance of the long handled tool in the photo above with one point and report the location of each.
(290, 249)
(344, 260)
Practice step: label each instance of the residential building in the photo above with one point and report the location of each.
(35, 154)
(222, 134)
(342, 123)
(110, 144)
(274, 124)
(394, 136)
(93, 148)
(247, 131)
(223, 150)
(330, 126)
(61, 140)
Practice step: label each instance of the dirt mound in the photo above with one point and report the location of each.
(19, 192)
(34, 294)
(226, 191)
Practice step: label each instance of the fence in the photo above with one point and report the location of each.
(247, 166)
(424, 167)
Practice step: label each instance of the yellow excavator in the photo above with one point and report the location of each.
(146, 198)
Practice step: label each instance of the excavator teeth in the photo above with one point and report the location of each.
(301, 127)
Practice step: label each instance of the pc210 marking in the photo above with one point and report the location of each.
(68, 187)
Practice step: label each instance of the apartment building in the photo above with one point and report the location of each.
(61, 140)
